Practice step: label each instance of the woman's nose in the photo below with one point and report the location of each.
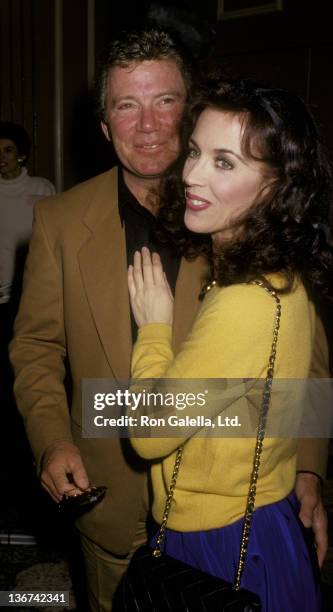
(195, 173)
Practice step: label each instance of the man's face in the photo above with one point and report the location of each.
(145, 103)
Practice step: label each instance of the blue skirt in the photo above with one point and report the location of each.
(281, 565)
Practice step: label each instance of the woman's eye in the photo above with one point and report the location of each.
(224, 164)
(192, 153)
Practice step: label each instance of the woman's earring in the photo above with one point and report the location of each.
(20, 159)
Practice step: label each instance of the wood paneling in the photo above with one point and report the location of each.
(280, 48)
(27, 75)
(75, 86)
(43, 112)
(5, 60)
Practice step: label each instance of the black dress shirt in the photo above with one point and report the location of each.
(140, 224)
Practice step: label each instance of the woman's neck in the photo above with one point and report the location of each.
(13, 174)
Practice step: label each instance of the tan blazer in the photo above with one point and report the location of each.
(75, 305)
(75, 302)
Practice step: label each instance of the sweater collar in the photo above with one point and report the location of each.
(16, 181)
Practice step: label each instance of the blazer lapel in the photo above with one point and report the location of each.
(103, 265)
(188, 286)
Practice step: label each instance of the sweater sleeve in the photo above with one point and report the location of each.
(230, 340)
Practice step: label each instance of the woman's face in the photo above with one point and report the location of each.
(9, 165)
(220, 182)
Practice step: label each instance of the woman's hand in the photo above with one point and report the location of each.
(150, 294)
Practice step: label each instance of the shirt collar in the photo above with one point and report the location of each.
(126, 201)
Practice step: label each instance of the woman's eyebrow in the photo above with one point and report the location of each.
(219, 151)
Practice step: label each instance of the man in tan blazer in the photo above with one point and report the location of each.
(75, 305)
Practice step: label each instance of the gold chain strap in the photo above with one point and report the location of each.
(260, 437)
(257, 453)
(157, 551)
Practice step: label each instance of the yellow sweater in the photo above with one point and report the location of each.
(231, 338)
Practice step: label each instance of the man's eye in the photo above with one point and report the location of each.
(167, 100)
(125, 106)
(224, 164)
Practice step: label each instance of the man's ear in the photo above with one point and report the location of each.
(106, 131)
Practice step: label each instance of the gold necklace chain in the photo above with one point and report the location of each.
(206, 288)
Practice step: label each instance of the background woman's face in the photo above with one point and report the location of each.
(9, 165)
(221, 183)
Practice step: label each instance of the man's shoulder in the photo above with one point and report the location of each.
(78, 198)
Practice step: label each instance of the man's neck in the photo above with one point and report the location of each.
(144, 189)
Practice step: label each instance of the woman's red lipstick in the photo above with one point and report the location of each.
(192, 202)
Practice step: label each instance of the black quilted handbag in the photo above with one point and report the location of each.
(164, 584)
(155, 582)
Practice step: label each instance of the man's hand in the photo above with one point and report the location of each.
(312, 512)
(63, 470)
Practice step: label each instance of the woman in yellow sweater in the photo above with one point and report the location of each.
(257, 184)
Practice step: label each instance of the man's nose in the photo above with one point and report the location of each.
(147, 121)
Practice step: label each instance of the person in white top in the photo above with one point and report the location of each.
(18, 194)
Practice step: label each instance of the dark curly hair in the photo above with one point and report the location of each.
(16, 133)
(287, 229)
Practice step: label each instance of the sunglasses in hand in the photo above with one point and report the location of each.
(78, 503)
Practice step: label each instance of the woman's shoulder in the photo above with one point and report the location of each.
(237, 310)
(241, 295)
(257, 293)
(41, 185)
(251, 304)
